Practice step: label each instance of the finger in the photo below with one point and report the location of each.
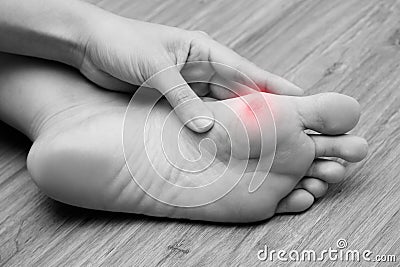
(200, 88)
(232, 66)
(190, 109)
(209, 99)
(195, 72)
(224, 89)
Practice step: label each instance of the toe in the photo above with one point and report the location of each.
(327, 170)
(348, 147)
(329, 113)
(315, 186)
(298, 200)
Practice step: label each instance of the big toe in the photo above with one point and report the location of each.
(328, 113)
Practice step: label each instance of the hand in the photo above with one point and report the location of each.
(120, 52)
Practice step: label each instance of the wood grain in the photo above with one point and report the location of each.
(351, 47)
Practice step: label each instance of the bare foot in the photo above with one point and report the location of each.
(77, 156)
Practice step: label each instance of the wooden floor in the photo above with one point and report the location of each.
(351, 47)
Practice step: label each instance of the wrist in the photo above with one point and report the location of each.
(76, 32)
(71, 34)
(94, 24)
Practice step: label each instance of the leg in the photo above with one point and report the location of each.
(77, 156)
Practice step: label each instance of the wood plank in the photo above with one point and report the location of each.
(351, 47)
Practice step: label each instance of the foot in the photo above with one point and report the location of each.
(78, 155)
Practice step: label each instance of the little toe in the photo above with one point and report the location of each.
(315, 186)
(298, 200)
(329, 113)
(327, 170)
(348, 147)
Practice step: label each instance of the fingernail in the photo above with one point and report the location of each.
(201, 125)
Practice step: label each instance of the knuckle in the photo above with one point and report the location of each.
(181, 95)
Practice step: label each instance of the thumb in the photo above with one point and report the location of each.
(189, 108)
